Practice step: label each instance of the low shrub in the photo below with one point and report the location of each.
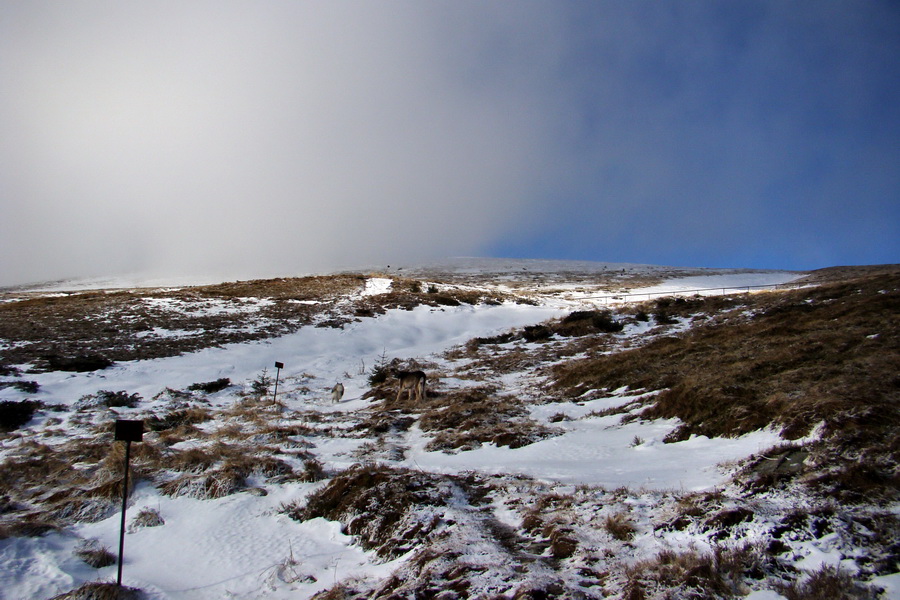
(620, 527)
(29, 387)
(381, 370)
(260, 386)
(108, 399)
(9, 371)
(80, 363)
(663, 318)
(16, 414)
(211, 387)
(692, 574)
(502, 338)
(827, 582)
(96, 590)
(537, 333)
(388, 509)
(585, 322)
(182, 417)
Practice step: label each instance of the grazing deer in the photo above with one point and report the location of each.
(337, 392)
(411, 381)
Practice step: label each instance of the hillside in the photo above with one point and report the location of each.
(586, 432)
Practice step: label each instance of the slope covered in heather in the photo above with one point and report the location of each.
(716, 443)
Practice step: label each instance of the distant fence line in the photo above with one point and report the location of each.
(720, 291)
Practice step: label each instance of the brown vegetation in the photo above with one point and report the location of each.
(828, 355)
(95, 554)
(718, 574)
(89, 330)
(96, 590)
(380, 506)
(828, 582)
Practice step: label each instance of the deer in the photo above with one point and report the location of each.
(411, 381)
(337, 392)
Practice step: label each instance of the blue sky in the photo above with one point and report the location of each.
(280, 138)
(739, 133)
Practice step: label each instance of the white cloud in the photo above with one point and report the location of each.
(248, 137)
(262, 138)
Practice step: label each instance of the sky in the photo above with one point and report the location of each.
(269, 138)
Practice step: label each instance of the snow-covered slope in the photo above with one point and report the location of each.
(243, 545)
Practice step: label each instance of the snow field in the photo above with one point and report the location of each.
(242, 546)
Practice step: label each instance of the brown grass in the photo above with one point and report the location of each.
(80, 480)
(379, 505)
(147, 517)
(828, 582)
(466, 418)
(620, 526)
(718, 574)
(95, 554)
(191, 415)
(101, 326)
(823, 355)
(96, 590)
(27, 526)
(220, 469)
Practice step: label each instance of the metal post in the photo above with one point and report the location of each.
(126, 431)
(124, 506)
(278, 367)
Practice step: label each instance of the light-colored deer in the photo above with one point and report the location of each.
(337, 392)
(411, 381)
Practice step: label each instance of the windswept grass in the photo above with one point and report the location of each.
(825, 356)
(380, 505)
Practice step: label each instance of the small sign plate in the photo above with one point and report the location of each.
(129, 431)
(279, 365)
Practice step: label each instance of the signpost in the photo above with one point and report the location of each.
(126, 431)
(278, 367)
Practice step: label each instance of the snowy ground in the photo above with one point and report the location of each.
(242, 546)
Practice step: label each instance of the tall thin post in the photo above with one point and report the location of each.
(126, 431)
(278, 367)
(124, 506)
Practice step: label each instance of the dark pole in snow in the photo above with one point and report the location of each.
(278, 367)
(126, 431)
(124, 506)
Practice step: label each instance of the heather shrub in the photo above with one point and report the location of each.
(211, 387)
(16, 414)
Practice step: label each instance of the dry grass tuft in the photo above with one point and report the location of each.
(80, 480)
(620, 526)
(95, 554)
(101, 591)
(191, 415)
(718, 574)
(828, 582)
(381, 505)
(27, 526)
(147, 517)
(220, 469)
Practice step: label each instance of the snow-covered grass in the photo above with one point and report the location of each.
(607, 484)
